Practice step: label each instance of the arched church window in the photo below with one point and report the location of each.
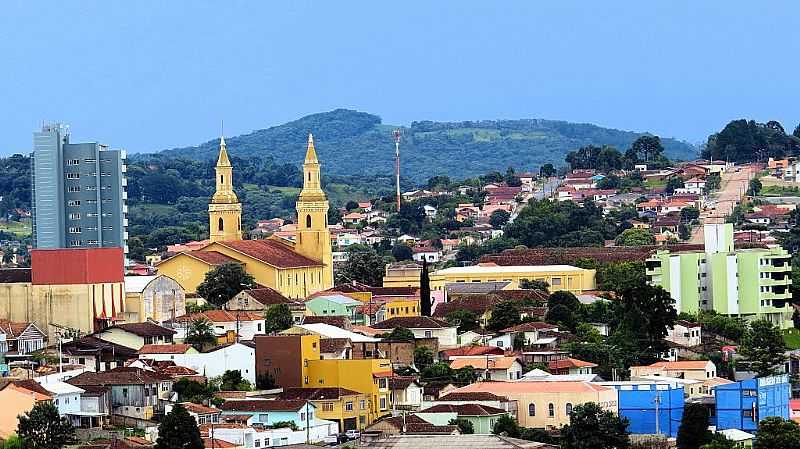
(308, 221)
(222, 179)
(220, 224)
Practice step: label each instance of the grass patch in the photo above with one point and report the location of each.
(292, 190)
(791, 337)
(651, 183)
(779, 191)
(19, 229)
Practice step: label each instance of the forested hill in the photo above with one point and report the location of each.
(357, 143)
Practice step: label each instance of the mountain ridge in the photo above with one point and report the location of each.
(350, 142)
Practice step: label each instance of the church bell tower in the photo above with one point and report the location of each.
(224, 210)
(313, 239)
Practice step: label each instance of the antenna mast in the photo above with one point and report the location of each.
(397, 164)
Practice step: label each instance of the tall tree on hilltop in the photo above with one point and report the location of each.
(647, 148)
(425, 290)
(224, 282)
(178, 430)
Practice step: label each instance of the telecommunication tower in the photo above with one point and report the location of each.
(397, 165)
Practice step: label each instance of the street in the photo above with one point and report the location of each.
(733, 187)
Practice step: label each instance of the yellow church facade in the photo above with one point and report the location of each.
(294, 268)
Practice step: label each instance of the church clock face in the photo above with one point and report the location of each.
(184, 273)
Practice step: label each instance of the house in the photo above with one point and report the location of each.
(155, 297)
(353, 218)
(136, 335)
(412, 425)
(200, 413)
(531, 332)
(742, 405)
(69, 401)
(243, 324)
(687, 369)
(209, 363)
(428, 254)
(345, 239)
(430, 211)
(571, 366)
(406, 392)
(327, 331)
(332, 304)
(96, 354)
(490, 367)
(170, 350)
(482, 417)
(262, 298)
(685, 333)
(345, 407)
(19, 339)
(135, 393)
(470, 350)
(18, 397)
(423, 327)
(267, 412)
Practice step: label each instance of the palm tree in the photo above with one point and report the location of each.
(200, 333)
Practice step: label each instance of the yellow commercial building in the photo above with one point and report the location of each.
(394, 308)
(368, 376)
(347, 407)
(296, 268)
(559, 277)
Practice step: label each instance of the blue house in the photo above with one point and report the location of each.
(741, 405)
(267, 412)
(645, 403)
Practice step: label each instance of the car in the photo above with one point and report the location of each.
(353, 434)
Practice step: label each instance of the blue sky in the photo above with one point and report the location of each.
(149, 75)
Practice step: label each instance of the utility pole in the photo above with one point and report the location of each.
(657, 400)
(397, 165)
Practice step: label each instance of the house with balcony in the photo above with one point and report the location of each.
(134, 392)
(18, 339)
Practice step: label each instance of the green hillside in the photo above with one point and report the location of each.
(357, 143)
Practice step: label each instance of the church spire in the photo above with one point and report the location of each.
(223, 160)
(311, 153)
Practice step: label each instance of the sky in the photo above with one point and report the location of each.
(151, 75)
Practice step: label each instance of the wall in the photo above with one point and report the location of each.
(186, 270)
(766, 397)
(163, 299)
(638, 404)
(15, 403)
(356, 375)
(212, 364)
(282, 357)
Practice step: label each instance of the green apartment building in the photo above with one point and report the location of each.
(748, 283)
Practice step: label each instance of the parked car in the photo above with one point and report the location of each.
(353, 434)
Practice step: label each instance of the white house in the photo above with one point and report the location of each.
(430, 211)
(82, 409)
(426, 253)
(423, 327)
(215, 362)
(685, 333)
(344, 239)
(497, 367)
(66, 397)
(248, 324)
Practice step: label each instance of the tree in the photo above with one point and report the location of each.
(561, 316)
(763, 346)
(200, 333)
(400, 334)
(621, 276)
(466, 320)
(350, 205)
(13, 442)
(224, 282)
(635, 237)
(499, 218)
(425, 290)
(527, 284)
(423, 356)
(43, 428)
(277, 318)
(684, 232)
(719, 441)
(402, 252)
(464, 426)
(363, 264)
(334, 215)
(642, 317)
(548, 171)
(265, 381)
(504, 314)
(672, 184)
(754, 187)
(232, 380)
(178, 430)
(693, 431)
(776, 433)
(506, 425)
(647, 148)
(563, 298)
(591, 427)
(689, 213)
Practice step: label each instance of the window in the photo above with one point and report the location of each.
(568, 408)
(73, 202)
(74, 230)
(428, 334)
(363, 404)
(747, 413)
(220, 224)
(75, 243)
(308, 221)
(74, 189)
(257, 443)
(383, 403)
(327, 406)
(75, 216)
(551, 410)
(348, 406)
(263, 417)
(73, 162)
(73, 176)
(124, 392)
(222, 179)
(555, 281)
(531, 409)
(750, 393)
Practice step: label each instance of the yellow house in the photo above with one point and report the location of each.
(368, 376)
(296, 268)
(400, 308)
(347, 407)
(559, 277)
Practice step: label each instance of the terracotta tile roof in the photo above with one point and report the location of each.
(117, 376)
(217, 443)
(31, 385)
(503, 388)
(342, 322)
(199, 409)
(412, 322)
(315, 394)
(465, 409)
(401, 382)
(475, 303)
(681, 364)
(271, 252)
(13, 329)
(331, 345)
(15, 275)
(221, 316)
(356, 287)
(268, 296)
(210, 257)
(472, 350)
(570, 363)
(415, 424)
(91, 345)
(366, 330)
(178, 371)
(165, 349)
(529, 327)
(146, 329)
(262, 405)
(471, 396)
(230, 394)
(481, 362)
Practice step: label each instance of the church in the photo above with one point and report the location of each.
(296, 268)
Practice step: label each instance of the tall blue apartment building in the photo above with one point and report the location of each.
(741, 405)
(651, 407)
(78, 192)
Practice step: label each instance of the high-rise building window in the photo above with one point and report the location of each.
(73, 203)
(75, 243)
(73, 162)
(75, 230)
(73, 189)
(73, 176)
(75, 216)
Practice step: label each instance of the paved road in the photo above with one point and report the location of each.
(733, 187)
(547, 190)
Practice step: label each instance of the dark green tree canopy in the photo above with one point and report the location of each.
(200, 333)
(224, 282)
(277, 318)
(693, 431)
(777, 433)
(363, 264)
(43, 428)
(591, 427)
(763, 346)
(178, 430)
(504, 314)
(749, 141)
(560, 223)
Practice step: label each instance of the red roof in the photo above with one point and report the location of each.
(211, 257)
(77, 266)
(268, 296)
(165, 349)
(221, 316)
(529, 327)
(270, 252)
(465, 409)
(472, 350)
(570, 363)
